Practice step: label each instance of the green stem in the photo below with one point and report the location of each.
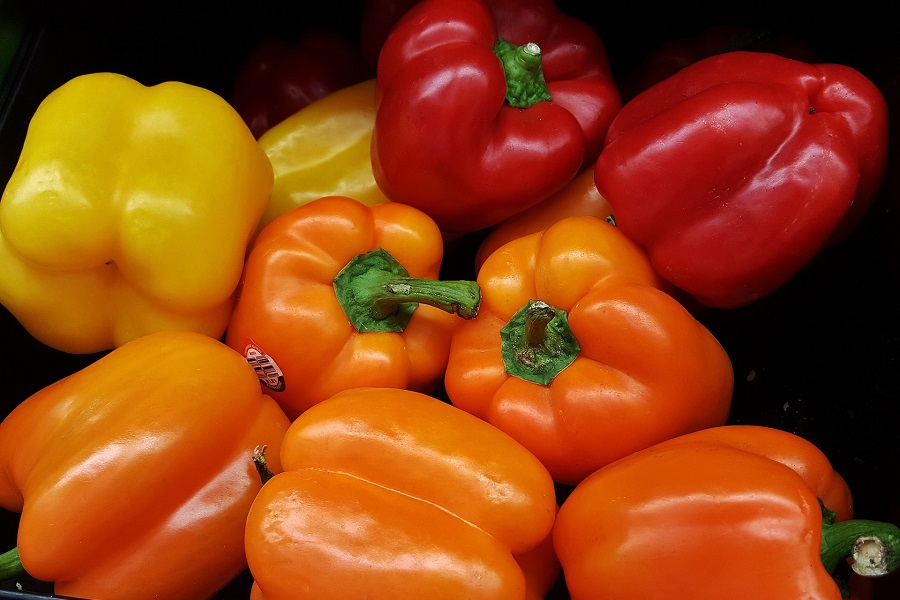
(873, 546)
(525, 84)
(377, 293)
(537, 343)
(537, 319)
(10, 565)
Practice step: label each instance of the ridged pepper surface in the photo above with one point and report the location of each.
(134, 476)
(741, 512)
(579, 353)
(389, 493)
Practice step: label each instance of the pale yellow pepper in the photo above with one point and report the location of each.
(129, 212)
(324, 150)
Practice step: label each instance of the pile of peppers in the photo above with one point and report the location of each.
(438, 295)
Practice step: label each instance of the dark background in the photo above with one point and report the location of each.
(819, 357)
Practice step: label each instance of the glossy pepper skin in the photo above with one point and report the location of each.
(727, 512)
(290, 319)
(451, 136)
(641, 370)
(278, 77)
(389, 493)
(135, 475)
(799, 153)
(323, 150)
(129, 212)
(579, 197)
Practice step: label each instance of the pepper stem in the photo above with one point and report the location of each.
(872, 546)
(525, 84)
(377, 293)
(537, 343)
(10, 565)
(261, 464)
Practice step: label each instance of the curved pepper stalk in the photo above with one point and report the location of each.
(537, 343)
(873, 547)
(11, 565)
(377, 293)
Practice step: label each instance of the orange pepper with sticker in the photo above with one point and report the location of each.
(339, 294)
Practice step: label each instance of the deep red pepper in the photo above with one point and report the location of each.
(459, 135)
(736, 171)
(278, 78)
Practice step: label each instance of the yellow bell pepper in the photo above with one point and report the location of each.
(323, 150)
(129, 212)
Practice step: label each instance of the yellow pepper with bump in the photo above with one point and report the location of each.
(129, 211)
(324, 150)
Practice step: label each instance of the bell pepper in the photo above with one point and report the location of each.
(339, 294)
(676, 53)
(377, 19)
(579, 197)
(738, 511)
(541, 568)
(485, 108)
(323, 150)
(389, 493)
(278, 78)
(735, 172)
(579, 354)
(129, 212)
(134, 476)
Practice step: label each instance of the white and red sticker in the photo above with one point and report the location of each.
(268, 371)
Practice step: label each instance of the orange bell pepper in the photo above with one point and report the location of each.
(541, 569)
(579, 197)
(580, 355)
(390, 493)
(740, 512)
(134, 475)
(339, 294)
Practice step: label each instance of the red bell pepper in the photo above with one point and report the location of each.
(485, 108)
(736, 171)
(279, 78)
